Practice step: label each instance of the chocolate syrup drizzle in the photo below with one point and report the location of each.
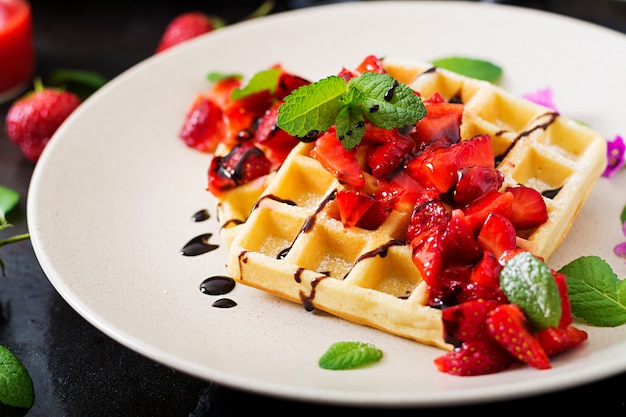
(309, 222)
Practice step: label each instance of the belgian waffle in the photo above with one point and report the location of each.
(291, 243)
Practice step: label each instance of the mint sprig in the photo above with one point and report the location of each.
(349, 355)
(596, 294)
(16, 386)
(528, 282)
(378, 98)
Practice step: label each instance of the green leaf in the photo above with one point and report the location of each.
(622, 216)
(16, 386)
(388, 104)
(266, 80)
(8, 200)
(349, 355)
(475, 68)
(89, 79)
(80, 82)
(312, 107)
(379, 98)
(350, 127)
(219, 76)
(596, 294)
(528, 282)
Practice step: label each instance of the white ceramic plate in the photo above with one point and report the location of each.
(111, 200)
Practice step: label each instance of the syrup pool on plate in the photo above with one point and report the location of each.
(17, 52)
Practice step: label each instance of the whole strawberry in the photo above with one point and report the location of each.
(184, 27)
(32, 120)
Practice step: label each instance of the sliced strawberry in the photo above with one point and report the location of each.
(378, 135)
(441, 125)
(276, 143)
(467, 291)
(529, 208)
(203, 128)
(221, 90)
(370, 63)
(466, 321)
(486, 273)
(390, 156)
(428, 256)
(507, 325)
(427, 215)
(338, 160)
(437, 167)
(244, 163)
(475, 182)
(566, 309)
(241, 114)
(497, 235)
(476, 213)
(458, 240)
(479, 357)
(287, 83)
(405, 189)
(378, 212)
(557, 340)
(352, 205)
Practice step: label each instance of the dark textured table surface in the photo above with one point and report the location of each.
(79, 371)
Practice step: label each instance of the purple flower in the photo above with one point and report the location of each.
(542, 97)
(620, 249)
(614, 156)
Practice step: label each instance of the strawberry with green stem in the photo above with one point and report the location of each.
(33, 119)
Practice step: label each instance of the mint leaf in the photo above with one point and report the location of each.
(596, 294)
(387, 103)
(379, 98)
(528, 282)
(261, 81)
(350, 127)
(8, 199)
(219, 76)
(312, 108)
(349, 355)
(470, 67)
(16, 386)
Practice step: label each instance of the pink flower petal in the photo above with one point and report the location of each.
(615, 150)
(620, 250)
(543, 97)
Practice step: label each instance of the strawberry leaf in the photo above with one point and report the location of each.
(596, 294)
(349, 355)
